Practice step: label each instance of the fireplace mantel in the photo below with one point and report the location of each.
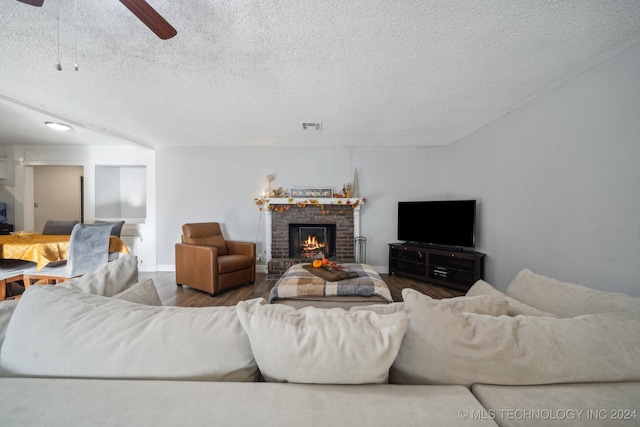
(342, 201)
(269, 205)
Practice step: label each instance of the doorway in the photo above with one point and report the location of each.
(57, 194)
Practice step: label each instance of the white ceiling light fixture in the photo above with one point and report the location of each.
(58, 126)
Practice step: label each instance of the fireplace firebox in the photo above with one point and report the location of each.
(309, 241)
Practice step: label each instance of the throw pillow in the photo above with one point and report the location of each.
(515, 307)
(321, 346)
(493, 305)
(390, 308)
(568, 299)
(445, 346)
(108, 280)
(59, 332)
(143, 292)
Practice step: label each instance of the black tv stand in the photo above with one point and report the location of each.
(436, 247)
(453, 268)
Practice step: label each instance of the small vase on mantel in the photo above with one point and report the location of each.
(355, 185)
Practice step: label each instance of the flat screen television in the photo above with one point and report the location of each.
(448, 223)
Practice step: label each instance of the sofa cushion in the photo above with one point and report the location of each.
(108, 280)
(494, 305)
(584, 405)
(390, 308)
(59, 332)
(445, 346)
(568, 299)
(322, 346)
(7, 308)
(143, 292)
(515, 307)
(85, 402)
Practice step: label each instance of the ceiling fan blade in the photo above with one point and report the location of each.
(150, 18)
(37, 3)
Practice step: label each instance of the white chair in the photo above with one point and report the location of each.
(88, 250)
(12, 270)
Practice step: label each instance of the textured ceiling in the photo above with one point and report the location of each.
(374, 72)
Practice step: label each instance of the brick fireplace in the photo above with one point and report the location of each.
(280, 213)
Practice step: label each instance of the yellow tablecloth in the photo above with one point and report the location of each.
(43, 249)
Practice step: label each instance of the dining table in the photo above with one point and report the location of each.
(45, 248)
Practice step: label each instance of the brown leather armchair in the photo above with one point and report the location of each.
(208, 262)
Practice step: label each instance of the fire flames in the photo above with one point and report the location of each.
(312, 244)
(310, 247)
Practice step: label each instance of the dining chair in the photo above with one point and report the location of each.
(115, 231)
(88, 250)
(59, 227)
(11, 270)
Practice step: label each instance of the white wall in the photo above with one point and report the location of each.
(219, 184)
(559, 181)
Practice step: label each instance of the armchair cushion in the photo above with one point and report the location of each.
(205, 234)
(230, 263)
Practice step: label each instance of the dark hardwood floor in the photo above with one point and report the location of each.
(172, 295)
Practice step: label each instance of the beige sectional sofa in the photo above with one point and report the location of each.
(102, 350)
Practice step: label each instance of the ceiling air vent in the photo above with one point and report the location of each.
(312, 126)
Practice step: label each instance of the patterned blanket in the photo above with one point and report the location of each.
(297, 282)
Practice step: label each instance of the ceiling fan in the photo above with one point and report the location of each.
(143, 11)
